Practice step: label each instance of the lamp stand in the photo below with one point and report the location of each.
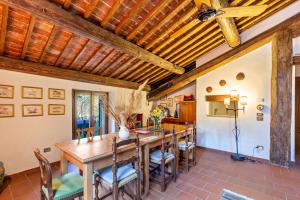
(236, 156)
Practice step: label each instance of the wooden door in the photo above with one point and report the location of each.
(297, 115)
(187, 111)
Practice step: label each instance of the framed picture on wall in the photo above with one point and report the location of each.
(54, 93)
(32, 92)
(164, 98)
(170, 102)
(56, 109)
(7, 91)
(7, 110)
(32, 110)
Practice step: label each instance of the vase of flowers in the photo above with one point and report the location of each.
(157, 114)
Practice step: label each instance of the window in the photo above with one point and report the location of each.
(89, 110)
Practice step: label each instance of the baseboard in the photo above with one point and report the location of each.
(33, 170)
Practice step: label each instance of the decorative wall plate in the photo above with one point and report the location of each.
(209, 89)
(222, 82)
(240, 76)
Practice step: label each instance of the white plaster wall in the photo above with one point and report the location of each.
(189, 89)
(216, 132)
(20, 135)
(296, 46)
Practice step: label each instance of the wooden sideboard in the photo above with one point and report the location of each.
(187, 113)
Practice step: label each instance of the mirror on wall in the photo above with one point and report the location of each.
(216, 107)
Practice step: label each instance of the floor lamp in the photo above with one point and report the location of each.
(234, 97)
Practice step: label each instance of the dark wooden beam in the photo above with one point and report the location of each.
(296, 60)
(3, 28)
(292, 23)
(54, 14)
(28, 36)
(55, 72)
(281, 98)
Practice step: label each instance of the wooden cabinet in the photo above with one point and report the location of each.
(186, 111)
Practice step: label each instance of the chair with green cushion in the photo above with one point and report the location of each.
(69, 186)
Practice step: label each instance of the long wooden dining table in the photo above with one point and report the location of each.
(89, 156)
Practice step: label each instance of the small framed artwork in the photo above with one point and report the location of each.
(170, 102)
(164, 98)
(54, 93)
(7, 110)
(32, 110)
(176, 99)
(7, 91)
(163, 105)
(32, 92)
(56, 109)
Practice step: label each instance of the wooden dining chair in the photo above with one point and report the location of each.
(67, 187)
(160, 159)
(187, 148)
(120, 173)
(90, 133)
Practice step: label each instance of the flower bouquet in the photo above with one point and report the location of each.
(157, 114)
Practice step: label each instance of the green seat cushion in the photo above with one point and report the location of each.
(68, 185)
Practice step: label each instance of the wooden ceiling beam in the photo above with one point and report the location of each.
(137, 71)
(54, 14)
(67, 4)
(111, 12)
(78, 54)
(115, 64)
(61, 57)
(105, 59)
(133, 12)
(123, 67)
(28, 36)
(55, 72)
(130, 70)
(3, 28)
(168, 17)
(292, 23)
(93, 4)
(48, 43)
(87, 64)
(148, 75)
(159, 77)
(144, 73)
(152, 13)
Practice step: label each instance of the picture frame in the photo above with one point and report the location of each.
(56, 109)
(164, 98)
(32, 92)
(54, 93)
(7, 91)
(170, 102)
(32, 110)
(176, 99)
(7, 110)
(163, 105)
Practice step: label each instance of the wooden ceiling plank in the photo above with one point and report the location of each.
(158, 77)
(191, 13)
(167, 18)
(93, 4)
(60, 57)
(111, 12)
(292, 23)
(122, 67)
(28, 36)
(48, 43)
(53, 14)
(133, 12)
(77, 57)
(105, 59)
(202, 47)
(67, 4)
(114, 64)
(149, 75)
(55, 72)
(131, 69)
(83, 68)
(152, 13)
(137, 71)
(145, 72)
(3, 28)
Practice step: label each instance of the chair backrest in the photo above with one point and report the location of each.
(119, 163)
(190, 134)
(46, 173)
(168, 145)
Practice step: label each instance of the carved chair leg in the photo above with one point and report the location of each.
(174, 171)
(162, 177)
(186, 160)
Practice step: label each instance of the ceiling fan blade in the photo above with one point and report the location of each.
(243, 11)
(200, 3)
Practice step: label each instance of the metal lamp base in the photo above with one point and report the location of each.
(238, 157)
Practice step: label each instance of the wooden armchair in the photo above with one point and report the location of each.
(159, 159)
(69, 186)
(187, 148)
(120, 173)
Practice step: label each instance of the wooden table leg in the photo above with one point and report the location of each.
(88, 181)
(146, 170)
(63, 164)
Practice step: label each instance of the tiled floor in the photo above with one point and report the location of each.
(214, 171)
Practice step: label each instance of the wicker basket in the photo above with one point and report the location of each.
(2, 171)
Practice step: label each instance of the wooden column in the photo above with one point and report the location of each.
(281, 98)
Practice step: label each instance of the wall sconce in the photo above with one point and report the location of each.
(234, 95)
